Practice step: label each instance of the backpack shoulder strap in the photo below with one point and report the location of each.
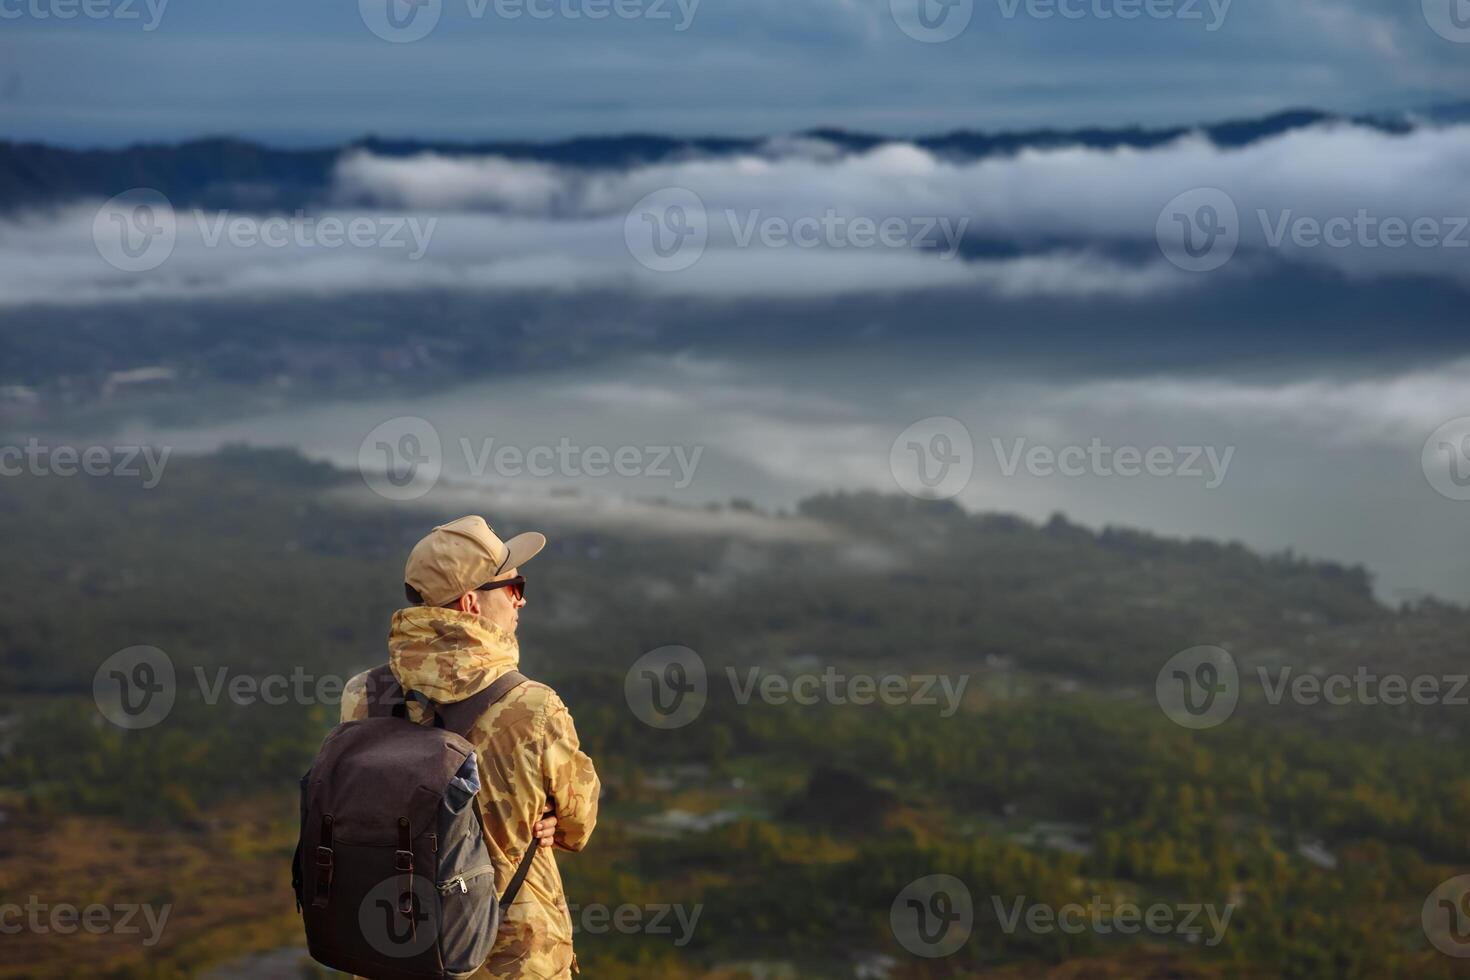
(461, 716)
(383, 692)
(519, 879)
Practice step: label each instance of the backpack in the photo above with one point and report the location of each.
(391, 872)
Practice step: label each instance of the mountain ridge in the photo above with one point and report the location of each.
(228, 171)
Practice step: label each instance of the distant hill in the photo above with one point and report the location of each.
(1103, 607)
(227, 172)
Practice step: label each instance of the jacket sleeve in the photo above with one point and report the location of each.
(571, 781)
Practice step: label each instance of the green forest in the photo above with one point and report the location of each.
(792, 827)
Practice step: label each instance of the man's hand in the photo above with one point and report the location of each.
(545, 829)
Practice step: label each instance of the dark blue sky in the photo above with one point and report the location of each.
(294, 72)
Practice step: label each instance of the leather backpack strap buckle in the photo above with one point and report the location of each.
(325, 861)
(403, 864)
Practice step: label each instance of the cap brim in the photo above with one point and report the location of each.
(522, 548)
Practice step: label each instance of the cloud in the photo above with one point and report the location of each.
(436, 182)
(604, 512)
(1392, 410)
(1348, 26)
(796, 221)
(1282, 188)
(1318, 459)
(54, 263)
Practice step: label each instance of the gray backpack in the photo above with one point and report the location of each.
(391, 872)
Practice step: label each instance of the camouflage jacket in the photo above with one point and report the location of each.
(529, 759)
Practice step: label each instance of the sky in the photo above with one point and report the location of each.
(109, 72)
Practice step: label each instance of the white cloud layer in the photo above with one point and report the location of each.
(1328, 464)
(794, 220)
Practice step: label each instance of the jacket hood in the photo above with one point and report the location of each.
(448, 655)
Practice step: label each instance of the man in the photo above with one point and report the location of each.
(454, 641)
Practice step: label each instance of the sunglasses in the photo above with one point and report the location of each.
(516, 585)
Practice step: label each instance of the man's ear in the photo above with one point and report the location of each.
(469, 603)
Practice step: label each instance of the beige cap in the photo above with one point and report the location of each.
(463, 555)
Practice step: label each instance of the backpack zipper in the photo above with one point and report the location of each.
(458, 881)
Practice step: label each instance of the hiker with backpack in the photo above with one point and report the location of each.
(430, 814)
